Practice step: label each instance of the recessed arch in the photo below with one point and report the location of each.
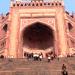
(5, 27)
(38, 36)
(70, 27)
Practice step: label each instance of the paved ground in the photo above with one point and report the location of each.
(30, 67)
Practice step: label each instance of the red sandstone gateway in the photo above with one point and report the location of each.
(37, 27)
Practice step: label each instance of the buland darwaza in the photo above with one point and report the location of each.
(37, 26)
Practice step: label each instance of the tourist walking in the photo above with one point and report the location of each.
(36, 56)
(49, 58)
(64, 71)
(63, 67)
(40, 56)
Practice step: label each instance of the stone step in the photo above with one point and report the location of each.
(30, 67)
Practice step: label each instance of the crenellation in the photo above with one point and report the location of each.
(36, 3)
(70, 15)
(2, 17)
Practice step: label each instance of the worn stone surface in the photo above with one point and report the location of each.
(30, 67)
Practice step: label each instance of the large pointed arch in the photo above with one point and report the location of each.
(38, 36)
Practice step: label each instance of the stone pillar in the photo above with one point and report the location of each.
(61, 31)
(13, 40)
(56, 43)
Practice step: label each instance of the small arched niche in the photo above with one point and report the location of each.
(70, 27)
(5, 27)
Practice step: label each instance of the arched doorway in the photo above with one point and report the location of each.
(38, 36)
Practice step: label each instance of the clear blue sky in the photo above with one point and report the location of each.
(4, 5)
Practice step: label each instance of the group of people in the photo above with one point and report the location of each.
(38, 56)
(50, 57)
(34, 56)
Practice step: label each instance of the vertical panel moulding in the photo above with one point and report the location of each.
(69, 44)
(13, 35)
(61, 31)
(57, 52)
(19, 46)
(67, 38)
(6, 52)
(57, 48)
(17, 36)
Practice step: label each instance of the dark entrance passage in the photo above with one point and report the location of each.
(38, 36)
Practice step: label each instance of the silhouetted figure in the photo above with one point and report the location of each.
(58, 58)
(31, 55)
(63, 67)
(40, 56)
(64, 72)
(68, 55)
(36, 57)
(52, 56)
(25, 54)
(49, 58)
(2, 57)
(46, 55)
(28, 56)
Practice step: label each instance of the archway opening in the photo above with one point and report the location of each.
(38, 36)
(5, 28)
(70, 27)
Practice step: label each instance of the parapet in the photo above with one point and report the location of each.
(23, 3)
(4, 16)
(72, 15)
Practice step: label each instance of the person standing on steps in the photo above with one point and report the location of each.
(40, 56)
(63, 67)
(49, 58)
(64, 71)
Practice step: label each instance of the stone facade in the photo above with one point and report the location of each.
(37, 26)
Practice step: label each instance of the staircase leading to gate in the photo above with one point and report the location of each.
(30, 67)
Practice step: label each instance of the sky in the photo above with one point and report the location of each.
(4, 5)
